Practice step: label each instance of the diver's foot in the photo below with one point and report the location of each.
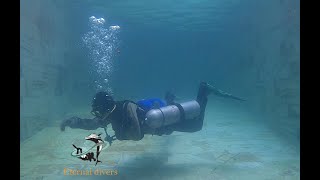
(206, 88)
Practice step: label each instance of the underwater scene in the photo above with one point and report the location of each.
(160, 89)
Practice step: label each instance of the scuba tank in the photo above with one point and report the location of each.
(159, 117)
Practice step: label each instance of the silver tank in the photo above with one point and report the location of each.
(167, 115)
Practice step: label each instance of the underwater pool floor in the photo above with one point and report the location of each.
(232, 146)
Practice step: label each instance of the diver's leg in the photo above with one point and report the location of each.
(196, 124)
(193, 125)
(202, 99)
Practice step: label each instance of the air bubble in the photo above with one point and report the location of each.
(102, 44)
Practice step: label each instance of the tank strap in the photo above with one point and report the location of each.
(182, 113)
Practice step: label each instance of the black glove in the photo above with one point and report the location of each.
(68, 122)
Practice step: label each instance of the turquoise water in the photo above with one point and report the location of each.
(140, 49)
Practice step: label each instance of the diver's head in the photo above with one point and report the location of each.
(102, 105)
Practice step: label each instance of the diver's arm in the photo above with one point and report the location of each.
(76, 122)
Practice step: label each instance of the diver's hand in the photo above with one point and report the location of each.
(67, 122)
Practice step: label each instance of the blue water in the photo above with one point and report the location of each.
(141, 49)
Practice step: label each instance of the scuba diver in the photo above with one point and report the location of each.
(132, 120)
